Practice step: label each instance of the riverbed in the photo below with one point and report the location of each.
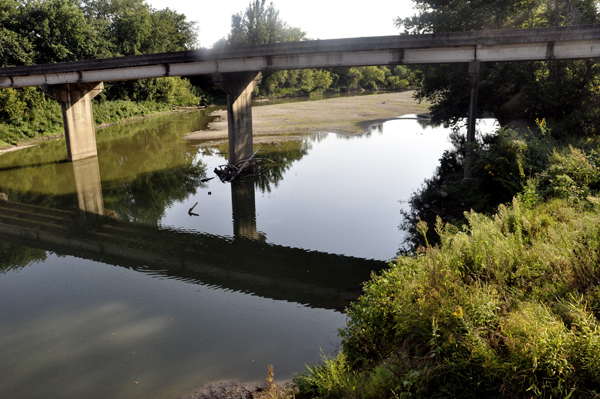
(154, 278)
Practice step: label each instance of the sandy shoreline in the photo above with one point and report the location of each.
(343, 115)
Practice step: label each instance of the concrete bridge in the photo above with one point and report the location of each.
(237, 70)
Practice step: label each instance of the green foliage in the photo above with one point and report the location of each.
(118, 110)
(16, 49)
(503, 165)
(58, 31)
(260, 24)
(572, 175)
(505, 307)
(134, 27)
(333, 378)
(27, 113)
(564, 92)
(372, 77)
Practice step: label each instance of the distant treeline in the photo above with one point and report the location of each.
(307, 81)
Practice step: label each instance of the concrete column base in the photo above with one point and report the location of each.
(238, 87)
(76, 101)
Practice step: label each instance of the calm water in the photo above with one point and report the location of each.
(111, 286)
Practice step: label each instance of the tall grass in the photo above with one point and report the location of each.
(506, 306)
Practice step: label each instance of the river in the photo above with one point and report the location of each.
(130, 275)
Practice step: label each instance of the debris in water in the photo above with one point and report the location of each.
(231, 171)
(191, 209)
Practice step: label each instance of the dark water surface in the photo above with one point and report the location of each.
(111, 287)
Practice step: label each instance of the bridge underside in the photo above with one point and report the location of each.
(236, 69)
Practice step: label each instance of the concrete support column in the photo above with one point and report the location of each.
(76, 101)
(472, 118)
(88, 185)
(238, 87)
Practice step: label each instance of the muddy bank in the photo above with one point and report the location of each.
(342, 115)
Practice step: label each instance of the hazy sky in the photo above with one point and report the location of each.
(321, 19)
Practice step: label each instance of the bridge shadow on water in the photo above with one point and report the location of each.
(243, 263)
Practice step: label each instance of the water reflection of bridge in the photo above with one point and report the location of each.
(243, 263)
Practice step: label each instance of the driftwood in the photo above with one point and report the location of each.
(191, 209)
(232, 171)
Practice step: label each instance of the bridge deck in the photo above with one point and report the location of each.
(572, 42)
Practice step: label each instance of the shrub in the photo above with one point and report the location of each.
(572, 175)
(506, 306)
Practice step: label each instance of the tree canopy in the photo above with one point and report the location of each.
(260, 24)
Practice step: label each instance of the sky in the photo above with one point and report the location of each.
(320, 19)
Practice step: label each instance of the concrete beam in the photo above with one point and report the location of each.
(78, 118)
(238, 87)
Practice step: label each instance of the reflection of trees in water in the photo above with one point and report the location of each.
(145, 198)
(145, 173)
(425, 122)
(167, 125)
(144, 167)
(283, 156)
(15, 257)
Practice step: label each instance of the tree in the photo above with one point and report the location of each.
(15, 49)
(260, 24)
(372, 77)
(134, 27)
(508, 91)
(58, 31)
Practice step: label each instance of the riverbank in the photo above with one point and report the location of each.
(22, 144)
(342, 115)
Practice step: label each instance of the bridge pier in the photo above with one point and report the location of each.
(238, 87)
(78, 118)
(472, 117)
